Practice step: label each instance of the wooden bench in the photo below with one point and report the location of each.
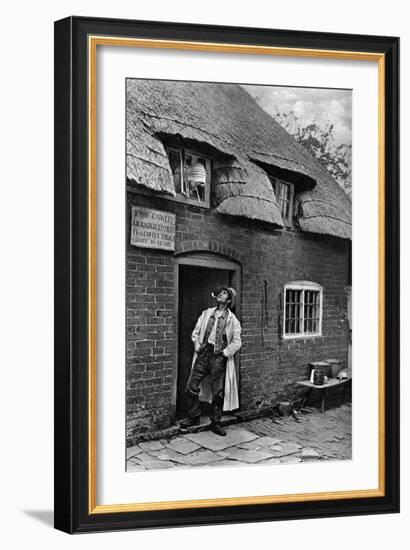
(331, 383)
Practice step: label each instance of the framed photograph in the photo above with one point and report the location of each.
(226, 274)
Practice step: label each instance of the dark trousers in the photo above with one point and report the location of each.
(214, 365)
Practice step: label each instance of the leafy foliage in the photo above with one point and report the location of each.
(321, 143)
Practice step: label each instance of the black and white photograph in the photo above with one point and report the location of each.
(238, 296)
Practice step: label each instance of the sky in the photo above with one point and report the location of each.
(318, 105)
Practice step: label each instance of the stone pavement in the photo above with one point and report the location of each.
(313, 436)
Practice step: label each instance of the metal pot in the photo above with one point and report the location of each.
(335, 367)
(323, 366)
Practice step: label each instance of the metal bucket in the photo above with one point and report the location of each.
(335, 367)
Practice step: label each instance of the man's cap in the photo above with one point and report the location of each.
(230, 290)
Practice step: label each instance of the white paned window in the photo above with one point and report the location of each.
(302, 309)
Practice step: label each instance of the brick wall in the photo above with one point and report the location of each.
(269, 365)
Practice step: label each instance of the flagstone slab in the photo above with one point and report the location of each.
(203, 457)
(285, 449)
(150, 462)
(169, 454)
(151, 445)
(229, 463)
(135, 467)
(159, 465)
(248, 456)
(144, 458)
(214, 442)
(267, 441)
(132, 451)
(290, 460)
(260, 443)
(310, 454)
(183, 445)
(269, 461)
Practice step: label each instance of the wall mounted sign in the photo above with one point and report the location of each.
(152, 228)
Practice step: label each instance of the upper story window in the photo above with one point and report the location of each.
(192, 175)
(284, 192)
(302, 309)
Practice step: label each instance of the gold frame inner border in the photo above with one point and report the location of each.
(93, 43)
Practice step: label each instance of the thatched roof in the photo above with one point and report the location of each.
(245, 143)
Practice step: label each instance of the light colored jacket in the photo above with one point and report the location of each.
(233, 337)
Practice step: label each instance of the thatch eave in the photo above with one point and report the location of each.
(326, 225)
(240, 135)
(251, 207)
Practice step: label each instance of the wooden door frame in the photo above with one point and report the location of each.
(210, 261)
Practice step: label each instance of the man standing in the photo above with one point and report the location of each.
(216, 337)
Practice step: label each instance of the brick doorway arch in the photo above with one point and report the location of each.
(196, 276)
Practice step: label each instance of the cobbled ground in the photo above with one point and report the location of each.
(312, 436)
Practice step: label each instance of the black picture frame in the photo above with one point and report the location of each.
(72, 406)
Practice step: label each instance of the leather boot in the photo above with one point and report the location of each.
(217, 429)
(188, 422)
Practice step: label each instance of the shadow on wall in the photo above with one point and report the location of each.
(43, 516)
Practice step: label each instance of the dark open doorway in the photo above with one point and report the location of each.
(195, 285)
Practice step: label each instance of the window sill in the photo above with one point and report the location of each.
(192, 202)
(178, 198)
(301, 336)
